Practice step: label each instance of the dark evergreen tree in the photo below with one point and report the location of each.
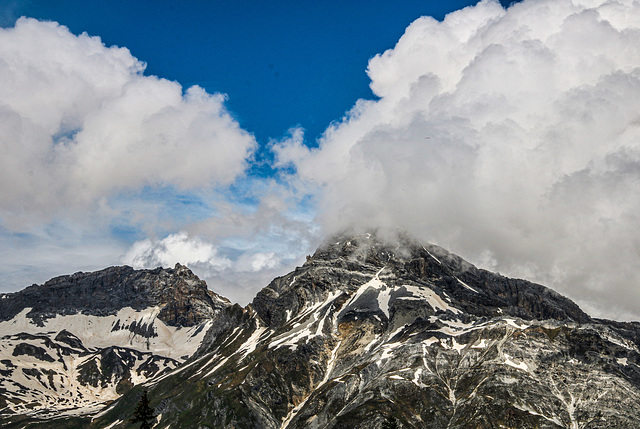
(390, 423)
(143, 413)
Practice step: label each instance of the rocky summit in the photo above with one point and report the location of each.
(78, 342)
(367, 330)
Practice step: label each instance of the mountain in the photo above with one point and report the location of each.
(369, 328)
(78, 342)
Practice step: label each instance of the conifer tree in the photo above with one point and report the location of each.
(390, 423)
(143, 413)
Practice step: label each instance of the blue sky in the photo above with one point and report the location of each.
(282, 64)
(234, 136)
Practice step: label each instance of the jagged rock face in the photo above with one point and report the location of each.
(367, 329)
(184, 298)
(346, 262)
(78, 342)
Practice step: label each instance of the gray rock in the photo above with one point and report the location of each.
(369, 328)
(185, 297)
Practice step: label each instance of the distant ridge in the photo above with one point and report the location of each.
(185, 297)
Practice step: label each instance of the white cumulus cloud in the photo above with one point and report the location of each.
(511, 137)
(173, 249)
(80, 122)
(236, 267)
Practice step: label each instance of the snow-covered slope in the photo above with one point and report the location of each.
(62, 360)
(140, 330)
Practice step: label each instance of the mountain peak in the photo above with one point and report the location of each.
(345, 262)
(184, 298)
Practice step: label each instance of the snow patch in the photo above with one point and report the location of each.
(436, 259)
(252, 342)
(467, 286)
(387, 352)
(97, 332)
(512, 322)
(434, 300)
(302, 330)
(114, 424)
(481, 345)
(383, 300)
(521, 366)
(430, 341)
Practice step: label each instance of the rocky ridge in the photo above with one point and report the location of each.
(184, 298)
(366, 329)
(78, 342)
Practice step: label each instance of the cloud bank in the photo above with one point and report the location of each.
(235, 268)
(511, 137)
(80, 122)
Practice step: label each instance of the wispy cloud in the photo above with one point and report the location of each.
(236, 266)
